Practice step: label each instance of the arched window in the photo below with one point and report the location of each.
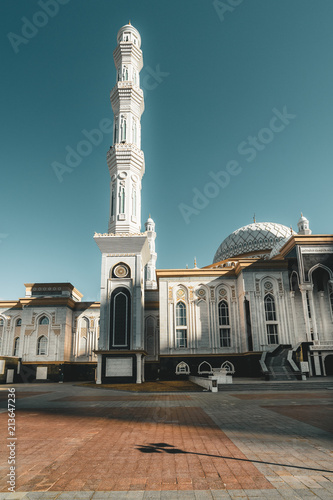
(1, 322)
(42, 346)
(18, 322)
(134, 201)
(120, 318)
(122, 200)
(123, 126)
(182, 368)
(44, 320)
(112, 200)
(224, 324)
(125, 73)
(16, 346)
(83, 346)
(134, 132)
(271, 320)
(115, 132)
(205, 367)
(331, 301)
(181, 326)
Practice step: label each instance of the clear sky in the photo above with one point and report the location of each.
(243, 91)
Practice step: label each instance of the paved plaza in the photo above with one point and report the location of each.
(74, 441)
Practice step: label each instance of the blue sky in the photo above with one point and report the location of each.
(223, 74)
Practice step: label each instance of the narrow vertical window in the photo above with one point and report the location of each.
(115, 131)
(122, 200)
(16, 346)
(42, 345)
(224, 324)
(271, 320)
(112, 201)
(181, 326)
(134, 201)
(123, 128)
(134, 133)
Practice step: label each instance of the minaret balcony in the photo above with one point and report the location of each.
(125, 156)
(128, 97)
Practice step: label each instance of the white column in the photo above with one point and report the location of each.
(138, 368)
(306, 314)
(313, 315)
(293, 312)
(323, 315)
(99, 369)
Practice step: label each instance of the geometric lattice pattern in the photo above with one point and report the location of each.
(251, 238)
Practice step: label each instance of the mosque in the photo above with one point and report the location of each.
(263, 308)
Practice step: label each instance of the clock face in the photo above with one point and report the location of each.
(120, 271)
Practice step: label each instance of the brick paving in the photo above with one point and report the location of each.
(76, 442)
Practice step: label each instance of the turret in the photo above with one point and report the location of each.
(303, 225)
(150, 270)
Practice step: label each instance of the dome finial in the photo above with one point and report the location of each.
(129, 22)
(254, 218)
(195, 263)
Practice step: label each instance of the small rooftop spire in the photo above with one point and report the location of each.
(129, 22)
(254, 217)
(195, 263)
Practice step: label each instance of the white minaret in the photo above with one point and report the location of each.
(303, 225)
(150, 269)
(125, 158)
(125, 250)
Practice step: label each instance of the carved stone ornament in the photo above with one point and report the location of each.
(268, 286)
(257, 287)
(281, 291)
(212, 294)
(170, 294)
(233, 293)
(120, 271)
(201, 293)
(223, 293)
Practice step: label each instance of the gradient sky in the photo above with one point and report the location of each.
(223, 75)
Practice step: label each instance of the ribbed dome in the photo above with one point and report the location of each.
(252, 239)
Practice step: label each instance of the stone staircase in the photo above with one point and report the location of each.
(278, 366)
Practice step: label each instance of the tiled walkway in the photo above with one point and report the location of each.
(79, 442)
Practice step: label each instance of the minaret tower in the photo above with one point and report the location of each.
(150, 269)
(125, 250)
(125, 158)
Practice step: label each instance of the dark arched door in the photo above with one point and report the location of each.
(120, 318)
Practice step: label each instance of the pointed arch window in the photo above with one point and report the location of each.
(18, 322)
(224, 324)
(123, 127)
(42, 346)
(122, 200)
(134, 132)
(83, 346)
(125, 73)
(271, 320)
(16, 346)
(112, 200)
(134, 201)
(120, 319)
(44, 320)
(115, 131)
(331, 302)
(181, 326)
